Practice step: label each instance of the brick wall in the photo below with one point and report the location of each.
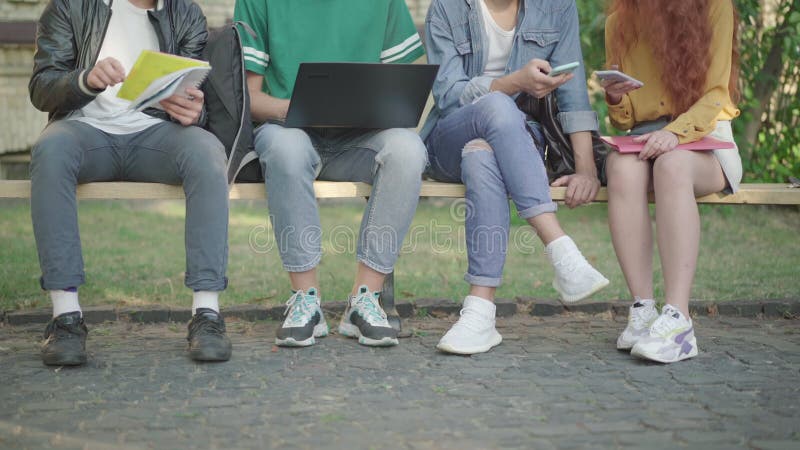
(21, 122)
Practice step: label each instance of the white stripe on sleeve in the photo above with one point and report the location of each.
(400, 47)
(401, 55)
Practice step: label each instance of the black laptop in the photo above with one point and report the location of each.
(360, 95)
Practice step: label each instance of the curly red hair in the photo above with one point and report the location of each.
(679, 35)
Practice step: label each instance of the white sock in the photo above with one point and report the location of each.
(205, 299)
(64, 302)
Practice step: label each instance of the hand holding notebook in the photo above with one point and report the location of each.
(156, 76)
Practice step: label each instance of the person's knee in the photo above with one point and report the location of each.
(204, 153)
(478, 164)
(624, 171)
(500, 113)
(476, 145)
(54, 153)
(285, 150)
(672, 169)
(404, 152)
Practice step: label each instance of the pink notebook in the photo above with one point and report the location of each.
(625, 144)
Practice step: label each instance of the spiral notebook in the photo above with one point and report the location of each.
(156, 76)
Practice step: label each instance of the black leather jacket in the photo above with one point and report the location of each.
(68, 39)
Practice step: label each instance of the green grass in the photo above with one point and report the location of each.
(134, 254)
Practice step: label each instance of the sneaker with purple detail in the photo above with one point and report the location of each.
(671, 338)
(641, 316)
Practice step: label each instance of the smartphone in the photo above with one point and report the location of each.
(615, 76)
(555, 71)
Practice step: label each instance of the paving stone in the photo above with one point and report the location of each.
(405, 308)
(505, 307)
(589, 307)
(702, 308)
(543, 307)
(180, 315)
(144, 314)
(781, 309)
(740, 308)
(246, 312)
(437, 306)
(335, 309)
(557, 382)
(41, 315)
(99, 314)
(769, 444)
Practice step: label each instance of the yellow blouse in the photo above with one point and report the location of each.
(651, 101)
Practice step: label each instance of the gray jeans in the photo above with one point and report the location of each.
(70, 152)
(392, 161)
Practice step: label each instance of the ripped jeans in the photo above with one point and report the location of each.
(486, 145)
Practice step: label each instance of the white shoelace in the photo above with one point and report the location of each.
(638, 315)
(367, 303)
(297, 308)
(665, 323)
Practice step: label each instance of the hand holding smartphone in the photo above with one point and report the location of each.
(608, 77)
(616, 84)
(564, 68)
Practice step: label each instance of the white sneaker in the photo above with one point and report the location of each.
(641, 315)
(671, 338)
(365, 320)
(474, 332)
(575, 278)
(304, 321)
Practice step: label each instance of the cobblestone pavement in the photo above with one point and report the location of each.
(556, 382)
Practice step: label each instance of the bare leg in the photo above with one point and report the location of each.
(484, 292)
(678, 177)
(547, 227)
(629, 220)
(304, 280)
(369, 277)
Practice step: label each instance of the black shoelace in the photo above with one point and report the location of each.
(206, 325)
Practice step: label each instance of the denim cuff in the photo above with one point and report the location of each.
(207, 285)
(305, 267)
(375, 267)
(575, 121)
(537, 210)
(476, 280)
(475, 89)
(62, 284)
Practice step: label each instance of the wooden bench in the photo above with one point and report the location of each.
(751, 194)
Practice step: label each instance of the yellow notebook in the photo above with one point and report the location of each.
(157, 75)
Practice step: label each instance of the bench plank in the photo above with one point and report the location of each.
(755, 194)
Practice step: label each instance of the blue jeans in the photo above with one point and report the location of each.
(70, 152)
(392, 161)
(511, 167)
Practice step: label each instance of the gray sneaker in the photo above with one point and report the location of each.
(366, 320)
(304, 321)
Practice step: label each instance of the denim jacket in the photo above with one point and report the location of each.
(546, 29)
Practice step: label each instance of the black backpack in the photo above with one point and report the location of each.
(559, 159)
(228, 101)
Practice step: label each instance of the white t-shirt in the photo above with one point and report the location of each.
(498, 46)
(129, 32)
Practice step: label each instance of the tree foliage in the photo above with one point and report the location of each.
(768, 131)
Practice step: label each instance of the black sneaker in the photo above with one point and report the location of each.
(207, 338)
(65, 340)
